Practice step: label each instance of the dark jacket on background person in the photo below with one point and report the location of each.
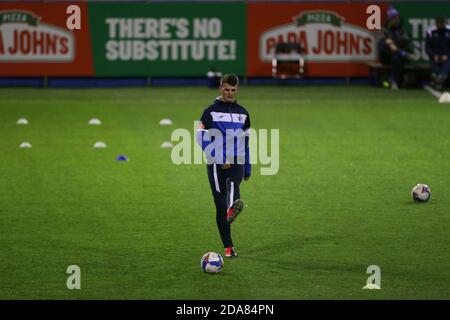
(438, 42)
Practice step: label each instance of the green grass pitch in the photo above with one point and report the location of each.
(349, 157)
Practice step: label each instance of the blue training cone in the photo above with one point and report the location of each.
(122, 158)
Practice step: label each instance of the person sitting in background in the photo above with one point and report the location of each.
(213, 77)
(438, 49)
(395, 48)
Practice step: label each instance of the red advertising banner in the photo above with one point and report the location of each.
(34, 41)
(334, 37)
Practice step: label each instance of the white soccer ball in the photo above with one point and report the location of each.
(212, 262)
(421, 192)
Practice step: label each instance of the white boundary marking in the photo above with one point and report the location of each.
(434, 92)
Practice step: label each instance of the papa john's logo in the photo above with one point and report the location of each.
(25, 38)
(324, 36)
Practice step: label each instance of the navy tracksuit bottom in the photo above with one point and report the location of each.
(225, 189)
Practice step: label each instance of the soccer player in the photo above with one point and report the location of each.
(223, 134)
(438, 49)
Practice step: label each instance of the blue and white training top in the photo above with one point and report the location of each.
(224, 134)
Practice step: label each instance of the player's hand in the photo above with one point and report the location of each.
(444, 58)
(436, 58)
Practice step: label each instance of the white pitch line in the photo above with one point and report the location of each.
(435, 93)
